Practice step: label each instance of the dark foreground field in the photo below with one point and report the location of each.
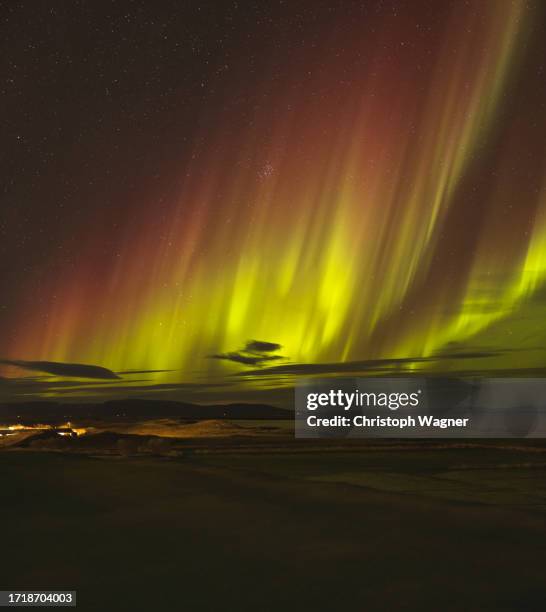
(445, 529)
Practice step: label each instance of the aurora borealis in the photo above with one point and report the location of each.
(357, 183)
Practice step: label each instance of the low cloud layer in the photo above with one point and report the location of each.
(76, 370)
(370, 365)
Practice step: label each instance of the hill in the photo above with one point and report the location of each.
(53, 412)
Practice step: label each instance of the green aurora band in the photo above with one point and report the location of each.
(347, 221)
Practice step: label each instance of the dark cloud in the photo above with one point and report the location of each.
(77, 370)
(51, 385)
(370, 365)
(127, 390)
(246, 359)
(466, 355)
(254, 353)
(144, 371)
(258, 346)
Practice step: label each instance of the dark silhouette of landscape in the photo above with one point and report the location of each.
(140, 409)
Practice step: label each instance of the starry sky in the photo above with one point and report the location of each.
(208, 200)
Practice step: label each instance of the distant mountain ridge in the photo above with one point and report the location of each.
(45, 411)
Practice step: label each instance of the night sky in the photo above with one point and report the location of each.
(206, 200)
